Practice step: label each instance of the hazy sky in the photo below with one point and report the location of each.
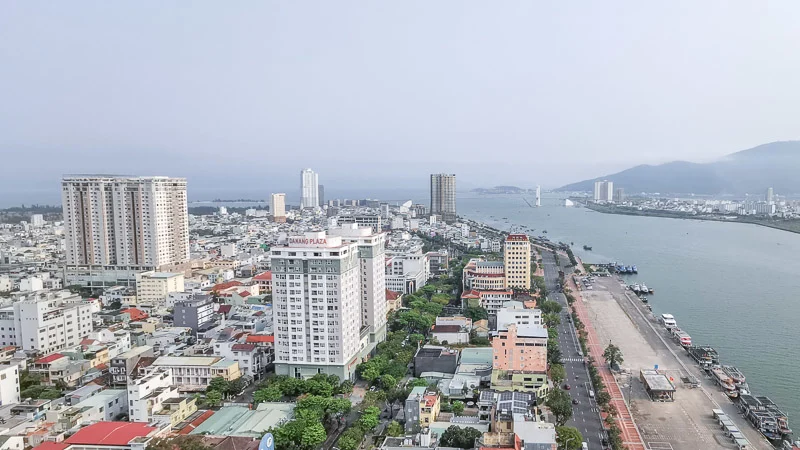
(245, 94)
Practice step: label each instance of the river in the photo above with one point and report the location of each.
(734, 287)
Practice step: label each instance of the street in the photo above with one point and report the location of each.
(586, 414)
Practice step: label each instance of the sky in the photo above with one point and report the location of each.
(240, 96)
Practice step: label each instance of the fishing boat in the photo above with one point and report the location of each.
(634, 269)
(735, 374)
(587, 248)
(644, 289)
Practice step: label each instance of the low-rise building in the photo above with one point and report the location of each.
(122, 366)
(196, 311)
(421, 409)
(521, 348)
(432, 358)
(450, 334)
(109, 436)
(194, 373)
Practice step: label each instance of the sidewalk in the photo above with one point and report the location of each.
(629, 432)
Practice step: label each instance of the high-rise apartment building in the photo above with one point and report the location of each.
(125, 221)
(309, 189)
(603, 191)
(770, 197)
(443, 196)
(371, 252)
(277, 207)
(517, 261)
(538, 196)
(619, 195)
(321, 195)
(317, 306)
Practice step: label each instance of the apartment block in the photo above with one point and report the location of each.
(152, 288)
(117, 220)
(194, 373)
(517, 260)
(443, 196)
(195, 312)
(45, 322)
(9, 385)
(521, 348)
(277, 207)
(317, 306)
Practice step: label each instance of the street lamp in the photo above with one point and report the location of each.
(566, 447)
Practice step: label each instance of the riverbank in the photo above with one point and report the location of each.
(792, 226)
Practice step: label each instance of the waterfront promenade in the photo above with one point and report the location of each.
(631, 437)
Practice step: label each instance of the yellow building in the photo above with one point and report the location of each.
(175, 410)
(517, 259)
(421, 408)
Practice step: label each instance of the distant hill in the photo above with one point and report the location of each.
(748, 171)
(500, 190)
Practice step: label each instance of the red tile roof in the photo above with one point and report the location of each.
(51, 446)
(243, 347)
(263, 276)
(256, 338)
(136, 314)
(392, 295)
(471, 294)
(430, 400)
(110, 433)
(245, 294)
(224, 309)
(196, 422)
(49, 358)
(223, 286)
(446, 328)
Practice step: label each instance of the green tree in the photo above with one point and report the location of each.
(371, 373)
(213, 398)
(476, 313)
(414, 338)
(603, 398)
(388, 382)
(370, 418)
(553, 353)
(318, 387)
(458, 437)
(442, 299)
(394, 429)
(568, 438)
(557, 373)
(428, 291)
(267, 394)
(613, 355)
(560, 405)
(236, 386)
(418, 382)
(292, 386)
(347, 443)
(551, 319)
(458, 407)
(181, 442)
(549, 306)
(313, 435)
(218, 384)
(345, 388)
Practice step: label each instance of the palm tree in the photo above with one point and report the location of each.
(613, 355)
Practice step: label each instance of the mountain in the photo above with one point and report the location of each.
(748, 171)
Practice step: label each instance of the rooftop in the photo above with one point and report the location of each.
(163, 275)
(110, 433)
(187, 360)
(242, 421)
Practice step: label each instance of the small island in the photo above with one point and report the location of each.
(501, 190)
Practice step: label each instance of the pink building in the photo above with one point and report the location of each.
(521, 348)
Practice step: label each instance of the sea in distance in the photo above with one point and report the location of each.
(732, 286)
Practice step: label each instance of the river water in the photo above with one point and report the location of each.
(734, 287)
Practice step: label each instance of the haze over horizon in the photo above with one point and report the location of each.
(242, 97)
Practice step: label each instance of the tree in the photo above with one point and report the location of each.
(557, 373)
(268, 394)
(388, 381)
(568, 438)
(345, 388)
(213, 398)
(476, 313)
(551, 319)
(393, 429)
(442, 299)
(178, 442)
(218, 384)
(418, 382)
(458, 437)
(613, 355)
(236, 387)
(428, 290)
(560, 405)
(370, 419)
(371, 373)
(603, 398)
(549, 306)
(553, 354)
(458, 407)
(320, 388)
(348, 442)
(313, 435)
(414, 338)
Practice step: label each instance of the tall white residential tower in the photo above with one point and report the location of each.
(309, 189)
(125, 221)
(443, 196)
(277, 207)
(538, 196)
(316, 306)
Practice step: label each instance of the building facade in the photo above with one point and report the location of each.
(517, 259)
(603, 191)
(521, 349)
(277, 207)
(195, 312)
(309, 189)
(443, 196)
(45, 323)
(194, 373)
(115, 220)
(316, 306)
(152, 288)
(9, 385)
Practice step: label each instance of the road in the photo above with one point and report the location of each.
(586, 414)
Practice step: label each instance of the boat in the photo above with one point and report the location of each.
(765, 416)
(724, 381)
(651, 291)
(643, 299)
(637, 288)
(587, 248)
(682, 337)
(735, 374)
(633, 268)
(544, 231)
(704, 355)
(668, 320)
(644, 289)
